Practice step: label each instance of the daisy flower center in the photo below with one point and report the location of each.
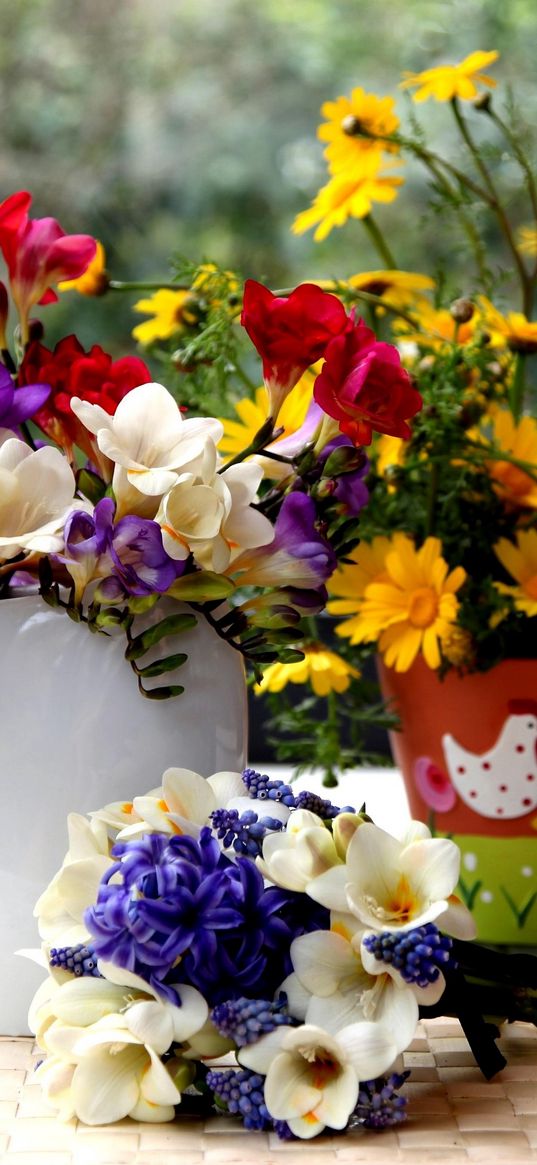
(423, 607)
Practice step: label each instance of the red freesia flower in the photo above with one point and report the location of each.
(38, 253)
(290, 332)
(93, 376)
(363, 386)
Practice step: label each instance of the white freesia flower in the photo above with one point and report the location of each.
(36, 497)
(313, 1077)
(149, 443)
(337, 982)
(183, 804)
(60, 908)
(390, 884)
(211, 514)
(294, 858)
(108, 1034)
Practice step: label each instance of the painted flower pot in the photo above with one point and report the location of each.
(467, 750)
(75, 734)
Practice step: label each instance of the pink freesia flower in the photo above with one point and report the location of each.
(434, 785)
(363, 385)
(38, 254)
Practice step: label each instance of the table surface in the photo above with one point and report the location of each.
(454, 1117)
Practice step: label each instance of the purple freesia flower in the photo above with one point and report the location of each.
(129, 557)
(298, 554)
(349, 488)
(19, 404)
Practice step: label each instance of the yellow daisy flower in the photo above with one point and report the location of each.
(513, 331)
(346, 117)
(324, 670)
(253, 414)
(521, 562)
(344, 197)
(349, 581)
(94, 281)
(170, 312)
(397, 288)
(514, 486)
(527, 241)
(390, 451)
(448, 81)
(414, 607)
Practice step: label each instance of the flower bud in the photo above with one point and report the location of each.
(352, 126)
(343, 829)
(181, 1072)
(462, 310)
(483, 102)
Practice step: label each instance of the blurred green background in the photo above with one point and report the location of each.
(188, 126)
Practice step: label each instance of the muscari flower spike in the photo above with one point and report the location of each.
(245, 832)
(417, 954)
(80, 960)
(379, 1104)
(242, 1093)
(245, 1020)
(260, 787)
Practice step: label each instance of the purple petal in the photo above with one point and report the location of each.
(26, 401)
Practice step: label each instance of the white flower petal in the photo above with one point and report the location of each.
(432, 867)
(259, 1056)
(369, 1047)
(288, 1091)
(105, 1086)
(329, 888)
(86, 999)
(156, 1085)
(321, 959)
(188, 794)
(338, 1099)
(226, 785)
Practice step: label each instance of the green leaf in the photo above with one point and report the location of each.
(172, 625)
(91, 485)
(167, 663)
(201, 587)
(164, 693)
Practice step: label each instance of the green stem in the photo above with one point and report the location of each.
(134, 285)
(524, 166)
(495, 205)
(378, 240)
(264, 436)
(431, 499)
(516, 391)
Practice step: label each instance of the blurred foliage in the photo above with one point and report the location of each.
(186, 126)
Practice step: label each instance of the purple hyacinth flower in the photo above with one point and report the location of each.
(19, 404)
(129, 557)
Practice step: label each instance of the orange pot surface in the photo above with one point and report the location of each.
(491, 718)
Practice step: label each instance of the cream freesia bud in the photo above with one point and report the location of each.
(343, 828)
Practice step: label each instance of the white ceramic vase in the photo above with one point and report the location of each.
(75, 733)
